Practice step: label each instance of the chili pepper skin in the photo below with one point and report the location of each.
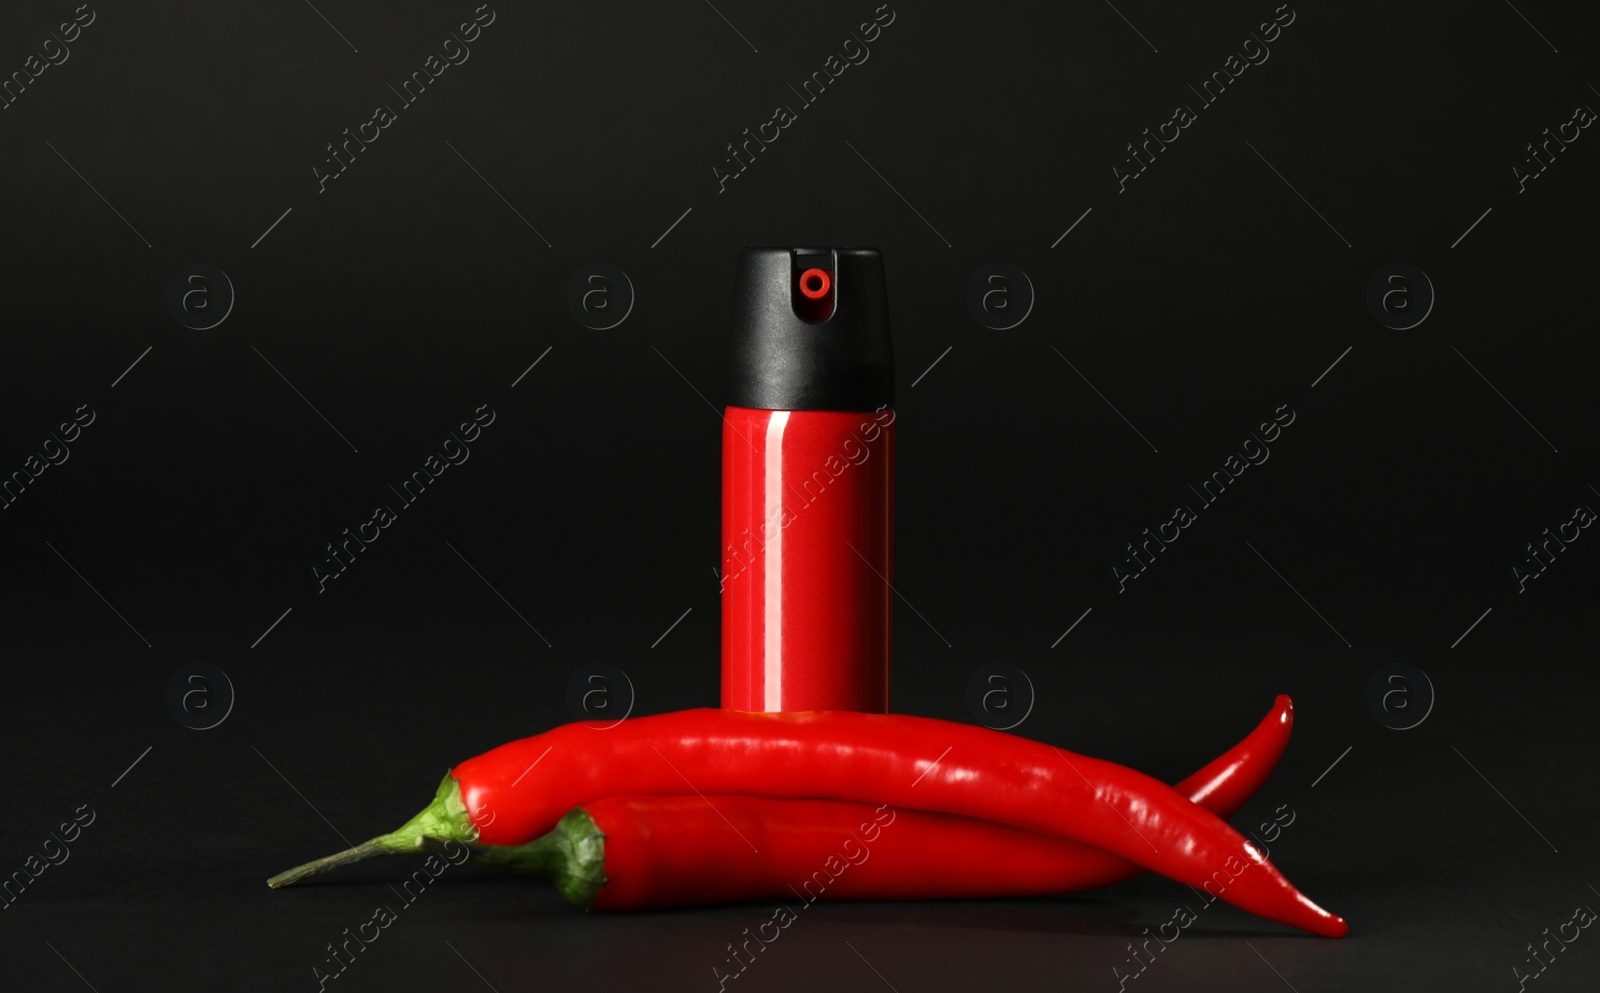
(1228, 781)
(520, 790)
(650, 852)
(655, 852)
(904, 761)
(1222, 786)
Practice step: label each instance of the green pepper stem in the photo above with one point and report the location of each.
(446, 817)
(571, 857)
(360, 853)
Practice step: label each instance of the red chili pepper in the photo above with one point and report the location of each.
(520, 790)
(648, 852)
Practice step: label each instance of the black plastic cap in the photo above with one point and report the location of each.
(778, 360)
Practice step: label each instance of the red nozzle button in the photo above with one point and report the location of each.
(814, 284)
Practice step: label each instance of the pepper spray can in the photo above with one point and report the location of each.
(808, 483)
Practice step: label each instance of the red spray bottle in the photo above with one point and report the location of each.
(808, 483)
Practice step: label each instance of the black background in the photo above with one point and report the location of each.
(410, 293)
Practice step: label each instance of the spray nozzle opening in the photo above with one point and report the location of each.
(815, 283)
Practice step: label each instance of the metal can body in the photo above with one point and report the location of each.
(807, 534)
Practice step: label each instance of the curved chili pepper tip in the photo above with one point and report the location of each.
(1323, 924)
(1302, 912)
(445, 817)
